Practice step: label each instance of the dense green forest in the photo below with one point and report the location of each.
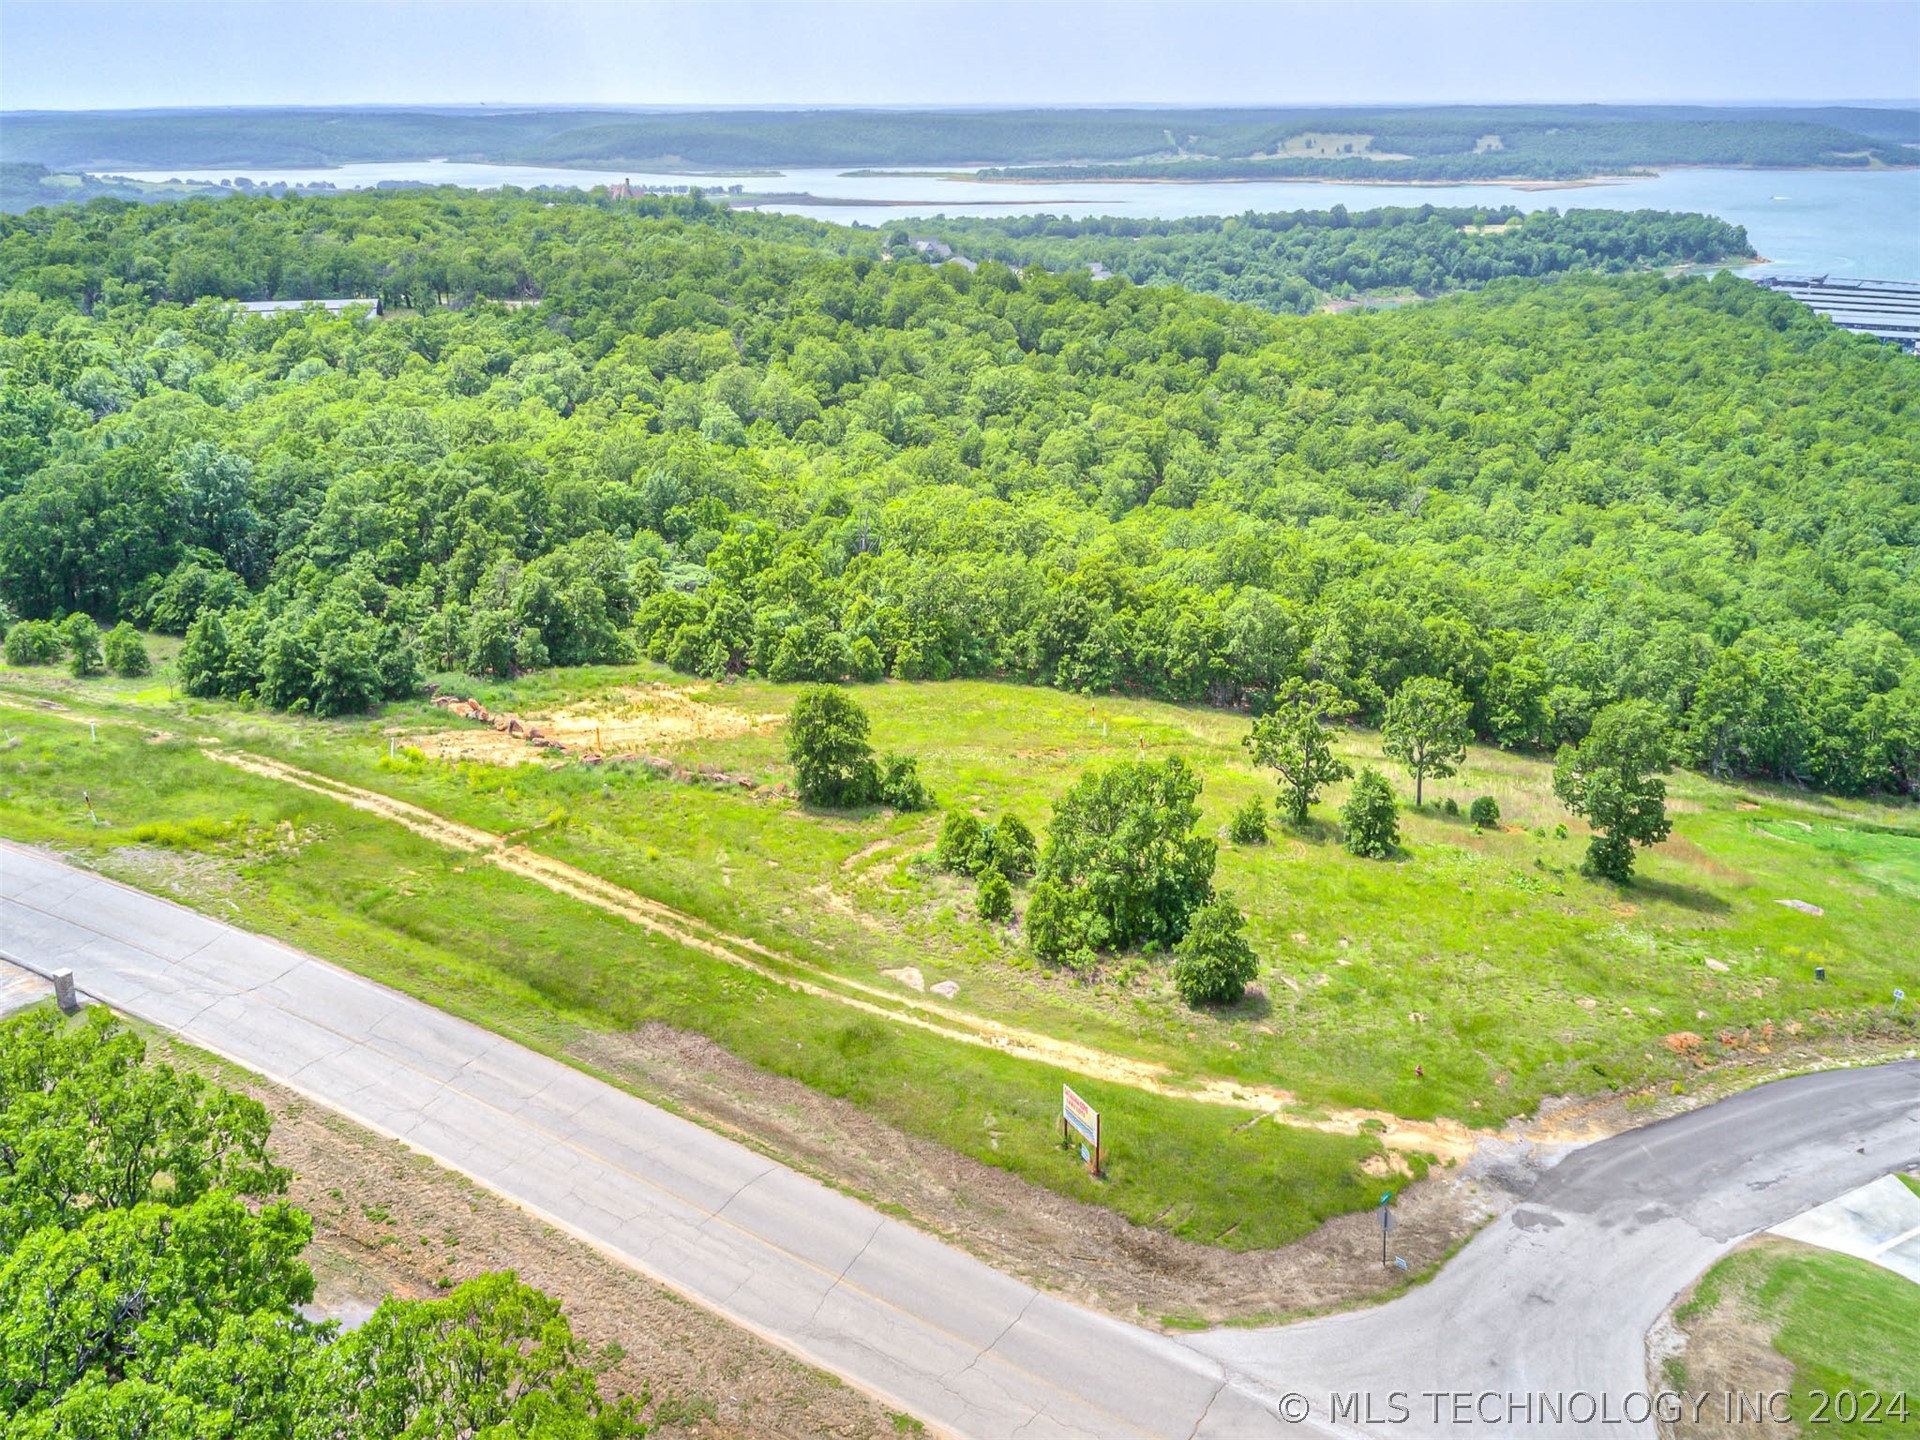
(1527, 151)
(719, 443)
(151, 1279)
(1291, 261)
(1557, 140)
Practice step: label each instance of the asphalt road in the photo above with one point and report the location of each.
(1554, 1299)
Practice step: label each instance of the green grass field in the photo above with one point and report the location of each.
(1485, 960)
(1846, 1326)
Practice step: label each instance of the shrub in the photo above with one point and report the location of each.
(1371, 817)
(865, 660)
(833, 764)
(1056, 923)
(1450, 806)
(82, 637)
(996, 897)
(1213, 962)
(126, 653)
(1007, 848)
(959, 839)
(827, 742)
(1484, 812)
(900, 785)
(1249, 823)
(1122, 839)
(33, 642)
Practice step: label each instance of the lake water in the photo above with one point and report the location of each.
(1816, 221)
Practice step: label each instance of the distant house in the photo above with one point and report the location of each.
(943, 252)
(623, 191)
(369, 303)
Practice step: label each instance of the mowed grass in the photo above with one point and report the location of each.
(1486, 960)
(548, 970)
(1846, 1326)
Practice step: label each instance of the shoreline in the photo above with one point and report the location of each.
(1312, 180)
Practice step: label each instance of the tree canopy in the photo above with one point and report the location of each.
(733, 442)
(1427, 729)
(149, 1279)
(1121, 844)
(1613, 778)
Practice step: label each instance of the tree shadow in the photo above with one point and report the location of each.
(1314, 832)
(1687, 897)
(1256, 1004)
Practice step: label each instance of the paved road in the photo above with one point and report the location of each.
(1556, 1296)
(922, 1326)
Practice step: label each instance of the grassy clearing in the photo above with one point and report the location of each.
(1485, 960)
(546, 970)
(1845, 1326)
(1471, 957)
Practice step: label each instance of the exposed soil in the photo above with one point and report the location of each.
(389, 1221)
(1723, 1352)
(1440, 1139)
(1084, 1252)
(636, 721)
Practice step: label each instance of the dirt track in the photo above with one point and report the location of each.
(1444, 1140)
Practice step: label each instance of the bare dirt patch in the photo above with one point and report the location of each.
(1081, 1251)
(634, 722)
(389, 1221)
(1727, 1350)
(1441, 1139)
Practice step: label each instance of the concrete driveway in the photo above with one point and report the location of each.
(1553, 1300)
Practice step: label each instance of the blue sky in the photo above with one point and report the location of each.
(79, 54)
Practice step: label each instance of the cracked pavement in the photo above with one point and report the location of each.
(1555, 1295)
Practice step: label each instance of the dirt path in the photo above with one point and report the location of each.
(1442, 1139)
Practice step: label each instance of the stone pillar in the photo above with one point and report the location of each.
(63, 994)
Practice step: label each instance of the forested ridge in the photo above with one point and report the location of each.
(1441, 142)
(716, 442)
(1524, 150)
(1289, 261)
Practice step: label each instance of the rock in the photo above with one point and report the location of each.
(1802, 906)
(1717, 965)
(908, 976)
(947, 989)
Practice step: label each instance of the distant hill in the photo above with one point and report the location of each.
(1448, 142)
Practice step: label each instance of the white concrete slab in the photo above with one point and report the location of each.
(1879, 1222)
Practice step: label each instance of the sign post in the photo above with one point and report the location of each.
(1386, 1224)
(1080, 1118)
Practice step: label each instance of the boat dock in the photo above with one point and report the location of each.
(1885, 309)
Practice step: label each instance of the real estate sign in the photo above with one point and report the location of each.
(1081, 1116)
